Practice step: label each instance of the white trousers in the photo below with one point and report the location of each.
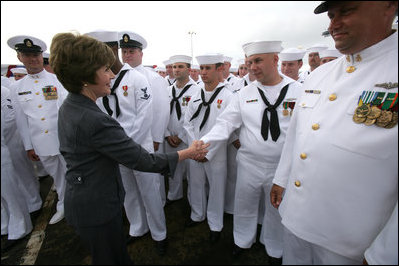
(209, 206)
(231, 179)
(143, 203)
(55, 166)
(175, 190)
(252, 180)
(29, 184)
(15, 218)
(300, 252)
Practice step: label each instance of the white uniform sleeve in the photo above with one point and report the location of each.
(161, 108)
(21, 120)
(144, 115)
(384, 249)
(228, 121)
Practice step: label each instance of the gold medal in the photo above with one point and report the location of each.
(350, 69)
(363, 110)
(285, 112)
(125, 93)
(384, 118)
(358, 120)
(369, 121)
(219, 106)
(375, 112)
(394, 120)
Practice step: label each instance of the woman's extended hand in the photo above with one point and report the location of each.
(196, 151)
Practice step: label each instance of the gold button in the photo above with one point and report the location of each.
(40, 106)
(303, 156)
(350, 69)
(303, 104)
(332, 97)
(297, 183)
(43, 118)
(36, 81)
(315, 126)
(46, 131)
(37, 93)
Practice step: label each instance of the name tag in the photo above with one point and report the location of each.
(24, 93)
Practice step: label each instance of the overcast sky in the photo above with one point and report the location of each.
(221, 27)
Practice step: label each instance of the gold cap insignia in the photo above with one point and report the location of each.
(28, 42)
(125, 38)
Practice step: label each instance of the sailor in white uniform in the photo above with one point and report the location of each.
(170, 78)
(313, 59)
(229, 77)
(15, 219)
(328, 55)
(180, 94)
(261, 112)
(203, 109)
(18, 72)
(339, 166)
(149, 184)
(37, 98)
(28, 183)
(291, 62)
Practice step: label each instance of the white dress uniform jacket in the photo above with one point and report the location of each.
(175, 128)
(256, 159)
(343, 189)
(15, 218)
(37, 99)
(215, 169)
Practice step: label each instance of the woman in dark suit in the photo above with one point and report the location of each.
(94, 144)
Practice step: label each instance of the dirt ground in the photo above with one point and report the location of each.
(186, 245)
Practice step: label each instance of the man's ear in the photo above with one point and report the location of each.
(19, 57)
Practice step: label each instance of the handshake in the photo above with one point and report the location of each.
(197, 151)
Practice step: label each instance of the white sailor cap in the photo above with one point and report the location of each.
(330, 52)
(233, 69)
(167, 62)
(210, 59)
(46, 55)
(196, 67)
(228, 59)
(262, 47)
(316, 48)
(108, 37)
(291, 54)
(159, 68)
(129, 39)
(27, 44)
(18, 70)
(241, 61)
(180, 59)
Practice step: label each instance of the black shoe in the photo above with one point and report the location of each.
(9, 244)
(191, 223)
(161, 246)
(168, 202)
(275, 261)
(214, 236)
(237, 251)
(130, 239)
